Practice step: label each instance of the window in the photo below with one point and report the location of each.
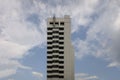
(49, 52)
(55, 71)
(61, 28)
(61, 76)
(49, 76)
(49, 33)
(61, 42)
(49, 57)
(61, 47)
(49, 38)
(55, 61)
(61, 33)
(56, 23)
(61, 52)
(61, 38)
(49, 28)
(55, 76)
(49, 47)
(49, 66)
(61, 67)
(55, 66)
(61, 23)
(61, 71)
(61, 57)
(55, 51)
(49, 61)
(51, 23)
(61, 62)
(49, 42)
(49, 71)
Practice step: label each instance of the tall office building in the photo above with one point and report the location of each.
(60, 53)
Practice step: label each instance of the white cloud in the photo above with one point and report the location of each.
(84, 76)
(11, 50)
(117, 23)
(113, 64)
(80, 10)
(17, 36)
(106, 33)
(102, 38)
(37, 74)
(8, 67)
(7, 72)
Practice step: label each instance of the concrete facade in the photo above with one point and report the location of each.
(60, 53)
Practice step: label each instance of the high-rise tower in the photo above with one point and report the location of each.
(60, 53)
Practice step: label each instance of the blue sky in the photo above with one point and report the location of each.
(95, 35)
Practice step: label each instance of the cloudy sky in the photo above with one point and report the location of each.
(95, 37)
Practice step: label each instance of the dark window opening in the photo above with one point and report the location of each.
(49, 61)
(49, 28)
(56, 23)
(61, 28)
(61, 33)
(55, 61)
(61, 52)
(61, 62)
(49, 33)
(49, 71)
(61, 23)
(61, 42)
(51, 23)
(55, 71)
(55, 76)
(49, 52)
(61, 57)
(61, 38)
(49, 57)
(49, 47)
(61, 71)
(49, 42)
(49, 66)
(61, 47)
(49, 76)
(61, 76)
(49, 37)
(61, 67)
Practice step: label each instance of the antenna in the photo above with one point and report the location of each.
(54, 19)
